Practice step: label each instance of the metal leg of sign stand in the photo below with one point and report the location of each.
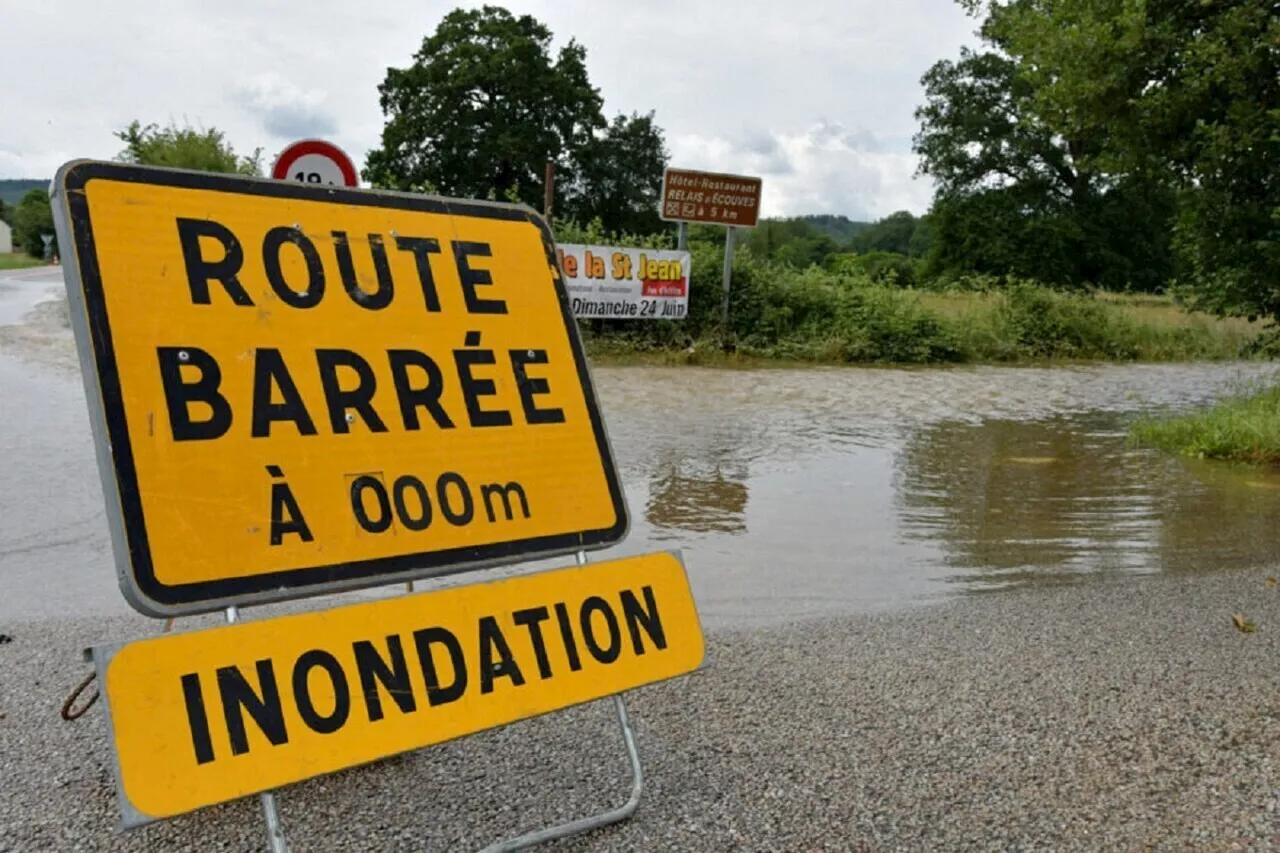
(586, 824)
(275, 831)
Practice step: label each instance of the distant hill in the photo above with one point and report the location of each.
(13, 189)
(838, 227)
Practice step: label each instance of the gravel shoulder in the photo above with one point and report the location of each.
(1125, 714)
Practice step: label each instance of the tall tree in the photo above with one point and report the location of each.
(485, 104)
(184, 148)
(31, 218)
(6, 215)
(1190, 88)
(483, 107)
(891, 234)
(1018, 196)
(618, 177)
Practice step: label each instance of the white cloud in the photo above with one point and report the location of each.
(287, 111)
(825, 168)
(747, 82)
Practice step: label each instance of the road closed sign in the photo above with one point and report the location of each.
(209, 716)
(299, 389)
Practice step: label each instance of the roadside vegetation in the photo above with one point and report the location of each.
(1242, 428)
(18, 261)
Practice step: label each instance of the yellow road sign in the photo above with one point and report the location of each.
(213, 715)
(300, 389)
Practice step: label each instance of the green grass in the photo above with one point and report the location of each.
(813, 317)
(18, 261)
(1242, 428)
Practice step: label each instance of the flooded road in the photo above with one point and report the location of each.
(792, 492)
(799, 492)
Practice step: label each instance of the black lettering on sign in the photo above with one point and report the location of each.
(365, 483)
(437, 695)
(201, 271)
(566, 634)
(381, 297)
(269, 372)
(306, 297)
(528, 387)
(428, 396)
(374, 670)
(646, 617)
(604, 654)
(238, 697)
(403, 485)
(197, 718)
(317, 722)
(474, 388)
(472, 278)
(282, 501)
(531, 619)
(421, 248)
(458, 518)
(358, 398)
(180, 394)
(488, 490)
(491, 640)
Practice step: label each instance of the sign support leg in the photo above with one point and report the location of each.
(586, 824)
(728, 276)
(275, 831)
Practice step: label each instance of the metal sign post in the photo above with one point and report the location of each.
(728, 278)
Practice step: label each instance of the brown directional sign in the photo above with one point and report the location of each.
(689, 196)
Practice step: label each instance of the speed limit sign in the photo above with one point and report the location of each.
(314, 161)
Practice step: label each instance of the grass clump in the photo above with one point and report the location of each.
(18, 261)
(1242, 428)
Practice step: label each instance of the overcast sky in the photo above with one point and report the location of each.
(816, 96)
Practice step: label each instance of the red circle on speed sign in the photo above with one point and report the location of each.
(314, 161)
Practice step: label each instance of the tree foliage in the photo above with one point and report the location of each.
(485, 105)
(896, 233)
(1166, 113)
(1189, 89)
(794, 242)
(6, 215)
(31, 218)
(184, 148)
(1018, 197)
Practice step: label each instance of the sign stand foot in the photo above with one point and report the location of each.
(596, 821)
(586, 824)
(275, 830)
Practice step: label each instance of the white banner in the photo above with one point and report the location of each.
(611, 283)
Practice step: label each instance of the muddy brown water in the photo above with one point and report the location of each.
(802, 492)
(791, 492)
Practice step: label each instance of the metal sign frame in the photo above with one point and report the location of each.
(122, 498)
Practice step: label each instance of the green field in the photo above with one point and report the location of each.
(17, 261)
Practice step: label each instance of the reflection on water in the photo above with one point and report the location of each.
(795, 492)
(694, 495)
(1012, 502)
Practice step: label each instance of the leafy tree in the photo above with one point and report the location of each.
(791, 241)
(1049, 211)
(619, 177)
(6, 215)
(31, 218)
(485, 105)
(184, 148)
(891, 234)
(1186, 88)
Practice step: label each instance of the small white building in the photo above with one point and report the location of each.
(6, 237)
